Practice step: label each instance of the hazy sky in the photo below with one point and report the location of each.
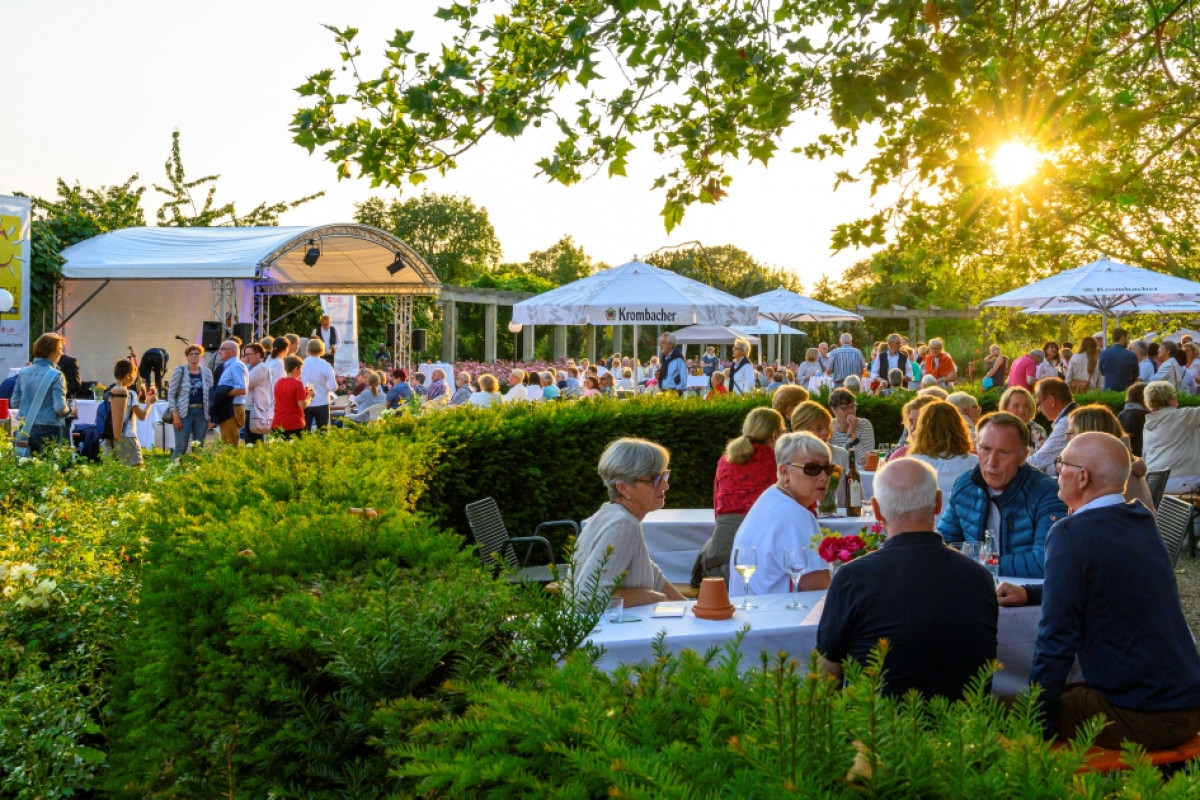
(93, 91)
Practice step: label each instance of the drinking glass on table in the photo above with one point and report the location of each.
(795, 561)
(745, 561)
(972, 549)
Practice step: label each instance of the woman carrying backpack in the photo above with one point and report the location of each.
(124, 408)
(187, 400)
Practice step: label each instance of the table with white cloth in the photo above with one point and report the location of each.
(150, 431)
(773, 628)
(674, 536)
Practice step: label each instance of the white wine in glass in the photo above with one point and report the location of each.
(745, 561)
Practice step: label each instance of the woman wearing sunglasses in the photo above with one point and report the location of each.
(635, 473)
(780, 518)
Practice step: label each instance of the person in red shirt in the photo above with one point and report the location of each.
(743, 473)
(291, 398)
(718, 385)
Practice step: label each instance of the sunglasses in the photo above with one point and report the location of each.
(813, 470)
(658, 480)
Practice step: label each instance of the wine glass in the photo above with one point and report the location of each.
(795, 561)
(745, 561)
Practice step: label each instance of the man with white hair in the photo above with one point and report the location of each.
(1023, 372)
(823, 357)
(1145, 365)
(1111, 601)
(845, 360)
(915, 592)
(672, 369)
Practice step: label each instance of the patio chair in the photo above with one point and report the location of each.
(493, 540)
(1174, 524)
(1156, 481)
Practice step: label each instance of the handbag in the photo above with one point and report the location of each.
(22, 434)
(260, 425)
(988, 383)
(168, 417)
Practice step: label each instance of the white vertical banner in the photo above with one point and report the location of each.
(14, 278)
(343, 316)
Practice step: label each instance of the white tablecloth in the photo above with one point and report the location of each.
(150, 432)
(774, 628)
(674, 536)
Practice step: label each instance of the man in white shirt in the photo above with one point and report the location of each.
(1146, 366)
(1055, 402)
(328, 336)
(516, 394)
(318, 374)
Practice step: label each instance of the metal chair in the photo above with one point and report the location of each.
(1174, 523)
(493, 540)
(1156, 481)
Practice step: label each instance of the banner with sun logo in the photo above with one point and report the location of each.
(14, 281)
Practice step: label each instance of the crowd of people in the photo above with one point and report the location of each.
(1068, 505)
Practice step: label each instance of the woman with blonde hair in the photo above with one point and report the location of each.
(489, 391)
(742, 377)
(1018, 401)
(1083, 370)
(1099, 418)
(810, 368)
(744, 472)
(942, 440)
(909, 416)
(718, 385)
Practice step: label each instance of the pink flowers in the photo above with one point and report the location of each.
(841, 548)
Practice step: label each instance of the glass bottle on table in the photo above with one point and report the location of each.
(989, 554)
(853, 490)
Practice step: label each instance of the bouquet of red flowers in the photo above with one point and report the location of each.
(836, 548)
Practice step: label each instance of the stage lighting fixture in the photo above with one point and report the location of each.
(396, 265)
(313, 253)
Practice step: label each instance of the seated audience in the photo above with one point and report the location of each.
(489, 392)
(1110, 601)
(1133, 416)
(1056, 404)
(780, 517)
(591, 386)
(1096, 417)
(517, 392)
(1171, 438)
(372, 395)
(400, 391)
(785, 400)
(942, 441)
(909, 415)
(811, 417)
(914, 592)
(607, 388)
(968, 406)
(1005, 495)
(850, 430)
(1019, 402)
(550, 390)
(744, 472)
(462, 389)
(635, 473)
(718, 386)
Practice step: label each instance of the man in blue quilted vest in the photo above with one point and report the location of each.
(1005, 495)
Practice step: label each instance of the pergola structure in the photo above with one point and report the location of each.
(249, 266)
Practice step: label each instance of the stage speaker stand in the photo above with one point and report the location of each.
(418, 340)
(244, 331)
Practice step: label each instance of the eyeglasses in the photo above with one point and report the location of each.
(813, 470)
(658, 480)
(1059, 464)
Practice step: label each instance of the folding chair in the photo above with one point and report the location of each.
(1156, 481)
(1174, 524)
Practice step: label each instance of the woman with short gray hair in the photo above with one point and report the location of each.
(635, 473)
(783, 517)
(1171, 438)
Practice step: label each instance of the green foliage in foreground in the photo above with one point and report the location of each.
(229, 627)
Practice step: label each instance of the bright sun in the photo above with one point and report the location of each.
(1014, 163)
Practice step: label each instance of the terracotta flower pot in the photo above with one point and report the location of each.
(713, 600)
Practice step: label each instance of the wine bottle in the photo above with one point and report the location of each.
(853, 490)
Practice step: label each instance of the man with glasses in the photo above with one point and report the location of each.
(1005, 495)
(1138, 657)
(890, 358)
(228, 400)
(1054, 400)
(914, 592)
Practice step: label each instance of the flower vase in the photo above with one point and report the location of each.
(828, 504)
(97, 394)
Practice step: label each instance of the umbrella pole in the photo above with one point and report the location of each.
(779, 342)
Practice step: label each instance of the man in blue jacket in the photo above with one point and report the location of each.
(1118, 364)
(1110, 599)
(1005, 495)
(672, 369)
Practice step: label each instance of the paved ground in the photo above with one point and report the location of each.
(1187, 572)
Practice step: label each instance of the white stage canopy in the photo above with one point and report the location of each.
(354, 259)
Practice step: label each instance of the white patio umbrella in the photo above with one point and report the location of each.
(766, 326)
(1177, 335)
(1101, 285)
(635, 294)
(782, 305)
(712, 334)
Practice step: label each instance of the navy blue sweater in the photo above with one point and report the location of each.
(1110, 598)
